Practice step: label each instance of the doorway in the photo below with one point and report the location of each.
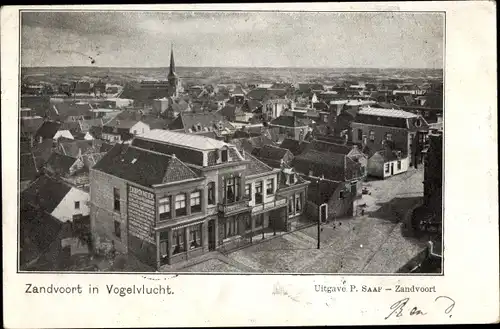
(392, 169)
(211, 235)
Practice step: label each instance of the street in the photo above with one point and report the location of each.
(372, 243)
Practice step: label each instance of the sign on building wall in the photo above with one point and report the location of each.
(141, 213)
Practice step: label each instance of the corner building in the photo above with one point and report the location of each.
(169, 196)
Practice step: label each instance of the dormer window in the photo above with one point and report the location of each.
(292, 179)
(224, 155)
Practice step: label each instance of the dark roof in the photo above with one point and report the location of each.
(326, 189)
(120, 124)
(330, 165)
(249, 144)
(43, 150)
(37, 231)
(45, 193)
(381, 121)
(230, 111)
(27, 167)
(307, 87)
(48, 130)
(294, 146)
(67, 109)
(208, 120)
(72, 126)
(270, 152)
(253, 104)
(73, 148)
(257, 94)
(324, 146)
(143, 167)
(60, 163)
(289, 121)
(256, 166)
(89, 160)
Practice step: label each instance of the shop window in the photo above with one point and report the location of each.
(164, 208)
(211, 193)
(180, 205)
(259, 220)
(195, 201)
(270, 186)
(164, 243)
(116, 199)
(118, 229)
(178, 240)
(231, 227)
(290, 205)
(195, 236)
(258, 192)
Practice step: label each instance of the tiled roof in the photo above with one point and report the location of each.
(288, 121)
(66, 109)
(72, 126)
(191, 141)
(27, 167)
(46, 193)
(143, 167)
(249, 144)
(89, 160)
(121, 124)
(60, 163)
(256, 166)
(48, 129)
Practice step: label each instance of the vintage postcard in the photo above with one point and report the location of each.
(250, 164)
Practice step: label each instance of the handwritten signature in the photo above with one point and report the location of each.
(399, 309)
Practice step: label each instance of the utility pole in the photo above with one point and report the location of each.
(319, 211)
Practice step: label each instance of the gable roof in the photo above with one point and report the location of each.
(60, 163)
(143, 167)
(48, 129)
(67, 109)
(257, 94)
(45, 193)
(324, 146)
(75, 147)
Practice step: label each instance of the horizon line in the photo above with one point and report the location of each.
(231, 67)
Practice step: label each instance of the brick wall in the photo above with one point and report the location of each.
(102, 215)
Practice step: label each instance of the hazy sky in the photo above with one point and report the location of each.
(143, 39)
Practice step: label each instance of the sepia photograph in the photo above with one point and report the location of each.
(231, 142)
(249, 164)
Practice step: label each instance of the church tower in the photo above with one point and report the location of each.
(173, 80)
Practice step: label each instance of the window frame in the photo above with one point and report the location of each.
(117, 229)
(163, 202)
(360, 134)
(399, 165)
(259, 194)
(195, 237)
(270, 186)
(197, 206)
(77, 205)
(116, 200)
(248, 191)
(211, 193)
(371, 136)
(179, 209)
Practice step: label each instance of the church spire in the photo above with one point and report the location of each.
(172, 63)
